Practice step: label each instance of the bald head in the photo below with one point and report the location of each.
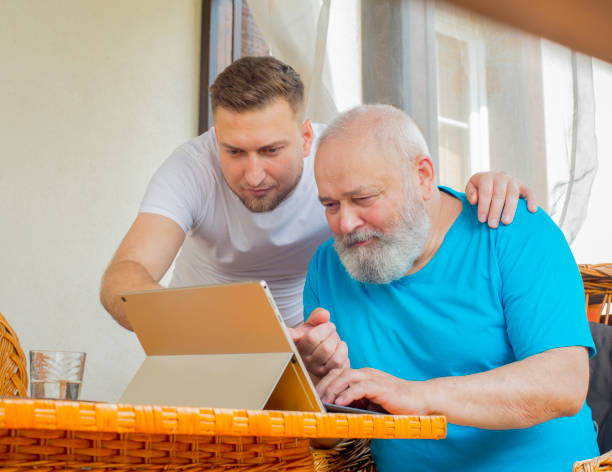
(392, 130)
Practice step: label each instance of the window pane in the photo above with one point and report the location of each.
(453, 79)
(454, 146)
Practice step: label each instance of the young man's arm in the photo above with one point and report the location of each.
(143, 257)
(495, 192)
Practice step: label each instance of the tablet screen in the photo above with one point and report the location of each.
(333, 408)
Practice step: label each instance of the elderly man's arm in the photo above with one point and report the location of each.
(143, 257)
(524, 393)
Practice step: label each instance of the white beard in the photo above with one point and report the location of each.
(390, 256)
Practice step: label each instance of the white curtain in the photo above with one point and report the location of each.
(571, 191)
(296, 32)
(486, 96)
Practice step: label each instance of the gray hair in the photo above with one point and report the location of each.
(392, 128)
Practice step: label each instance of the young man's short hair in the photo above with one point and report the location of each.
(253, 82)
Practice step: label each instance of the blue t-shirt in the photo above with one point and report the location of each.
(488, 297)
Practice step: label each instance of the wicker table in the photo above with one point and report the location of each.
(49, 435)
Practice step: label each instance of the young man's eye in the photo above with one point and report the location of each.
(272, 150)
(233, 152)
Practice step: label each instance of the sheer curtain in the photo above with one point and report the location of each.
(486, 96)
(515, 102)
(296, 32)
(577, 166)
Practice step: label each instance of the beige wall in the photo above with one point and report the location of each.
(93, 96)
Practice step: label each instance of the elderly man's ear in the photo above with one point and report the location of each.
(425, 173)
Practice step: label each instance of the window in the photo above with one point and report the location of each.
(463, 135)
(490, 101)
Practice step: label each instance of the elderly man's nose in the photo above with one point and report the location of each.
(349, 220)
(254, 173)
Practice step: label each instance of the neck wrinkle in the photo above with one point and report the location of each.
(443, 210)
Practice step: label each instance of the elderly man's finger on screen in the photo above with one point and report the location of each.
(497, 195)
(381, 391)
(319, 345)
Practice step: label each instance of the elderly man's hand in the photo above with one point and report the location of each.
(372, 389)
(319, 344)
(497, 191)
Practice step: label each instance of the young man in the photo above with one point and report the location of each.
(442, 315)
(240, 200)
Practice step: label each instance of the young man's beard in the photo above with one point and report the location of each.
(263, 204)
(272, 200)
(390, 256)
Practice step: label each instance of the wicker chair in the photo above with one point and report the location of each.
(352, 455)
(599, 464)
(597, 281)
(13, 373)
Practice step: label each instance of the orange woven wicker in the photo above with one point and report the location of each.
(353, 455)
(54, 435)
(602, 463)
(13, 373)
(597, 279)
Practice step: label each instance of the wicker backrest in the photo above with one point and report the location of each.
(13, 373)
(597, 279)
(602, 463)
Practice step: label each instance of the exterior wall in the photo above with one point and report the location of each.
(95, 95)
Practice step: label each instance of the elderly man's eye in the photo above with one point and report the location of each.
(364, 200)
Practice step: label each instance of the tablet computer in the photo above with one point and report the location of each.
(220, 346)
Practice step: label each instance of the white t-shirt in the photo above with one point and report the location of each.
(225, 242)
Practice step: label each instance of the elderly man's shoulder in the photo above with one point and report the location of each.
(525, 226)
(524, 220)
(533, 237)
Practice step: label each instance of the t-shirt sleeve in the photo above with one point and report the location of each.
(181, 189)
(542, 291)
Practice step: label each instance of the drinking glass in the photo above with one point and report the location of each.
(56, 374)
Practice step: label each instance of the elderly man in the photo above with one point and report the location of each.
(442, 315)
(240, 202)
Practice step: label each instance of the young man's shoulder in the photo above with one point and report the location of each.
(195, 159)
(202, 147)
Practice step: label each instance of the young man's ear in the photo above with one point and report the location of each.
(426, 176)
(307, 137)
